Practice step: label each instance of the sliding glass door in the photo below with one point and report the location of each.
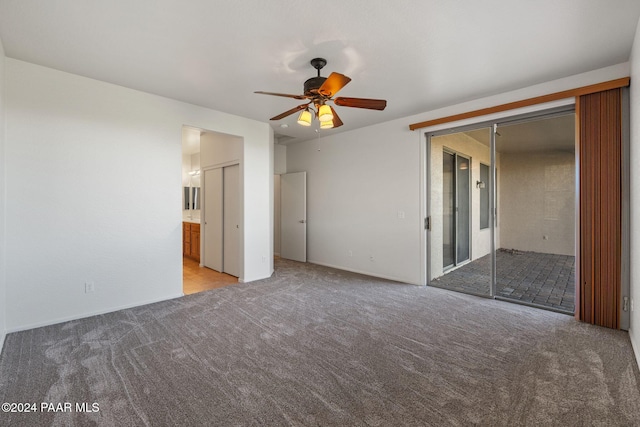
(501, 210)
(535, 254)
(458, 251)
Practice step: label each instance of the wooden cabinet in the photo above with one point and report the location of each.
(195, 241)
(191, 240)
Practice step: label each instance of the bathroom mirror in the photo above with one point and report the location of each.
(191, 194)
(191, 198)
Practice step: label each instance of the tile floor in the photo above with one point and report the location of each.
(546, 280)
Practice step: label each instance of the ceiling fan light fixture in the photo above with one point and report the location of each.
(317, 92)
(304, 118)
(326, 124)
(324, 113)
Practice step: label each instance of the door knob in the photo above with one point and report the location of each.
(302, 221)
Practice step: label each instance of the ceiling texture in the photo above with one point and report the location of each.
(419, 55)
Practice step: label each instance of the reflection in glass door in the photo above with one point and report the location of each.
(459, 250)
(455, 209)
(448, 210)
(463, 217)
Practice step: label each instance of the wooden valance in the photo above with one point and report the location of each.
(584, 90)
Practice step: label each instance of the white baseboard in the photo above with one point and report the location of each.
(366, 273)
(97, 313)
(253, 279)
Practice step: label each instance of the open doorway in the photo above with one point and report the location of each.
(509, 203)
(196, 277)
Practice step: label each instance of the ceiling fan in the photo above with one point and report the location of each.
(318, 90)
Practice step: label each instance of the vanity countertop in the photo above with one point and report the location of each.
(192, 221)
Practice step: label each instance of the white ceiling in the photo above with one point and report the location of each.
(417, 54)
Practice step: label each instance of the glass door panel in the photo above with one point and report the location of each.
(463, 207)
(459, 249)
(536, 193)
(448, 210)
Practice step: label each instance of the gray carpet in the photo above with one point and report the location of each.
(314, 346)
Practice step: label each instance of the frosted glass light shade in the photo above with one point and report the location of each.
(325, 114)
(327, 124)
(304, 118)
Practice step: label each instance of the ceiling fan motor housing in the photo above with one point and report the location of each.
(312, 85)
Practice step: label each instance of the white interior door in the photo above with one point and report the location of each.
(293, 216)
(213, 219)
(231, 207)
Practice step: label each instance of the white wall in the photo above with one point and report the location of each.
(359, 180)
(279, 167)
(3, 269)
(279, 159)
(219, 149)
(634, 330)
(276, 215)
(186, 168)
(93, 175)
(538, 194)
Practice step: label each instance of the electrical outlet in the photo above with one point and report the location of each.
(264, 258)
(400, 214)
(371, 258)
(350, 252)
(89, 287)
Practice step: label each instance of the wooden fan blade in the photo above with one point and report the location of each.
(286, 95)
(370, 104)
(289, 112)
(336, 120)
(333, 84)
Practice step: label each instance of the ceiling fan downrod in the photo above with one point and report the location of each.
(318, 64)
(312, 85)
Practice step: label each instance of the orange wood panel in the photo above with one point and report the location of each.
(600, 204)
(195, 241)
(191, 240)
